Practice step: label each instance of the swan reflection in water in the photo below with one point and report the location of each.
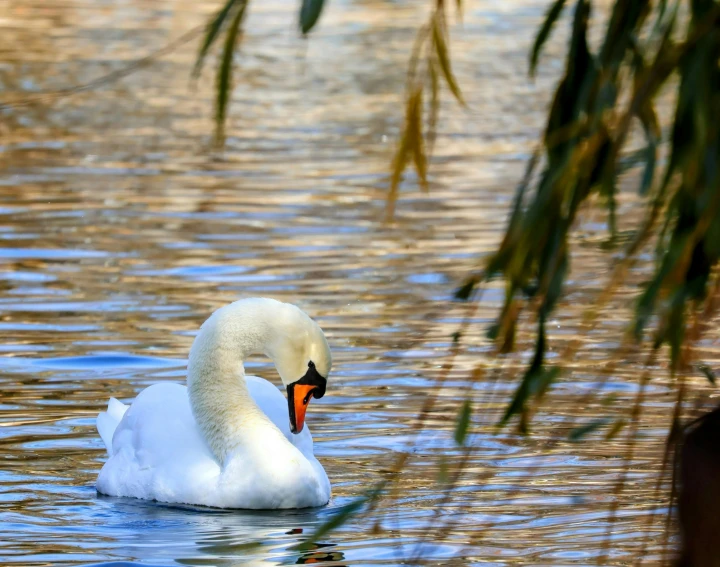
(167, 534)
(317, 552)
(321, 557)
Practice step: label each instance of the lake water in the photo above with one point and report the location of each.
(122, 230)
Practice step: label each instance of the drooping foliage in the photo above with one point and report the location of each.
(582, 150)
(430, 62)
(601, 96)
(230, 19)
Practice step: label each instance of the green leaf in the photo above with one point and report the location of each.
(623, 27)
(434, 110)
(581, 65)
(550, 18)
(213, 29)
(343, 515)
(533, 382)
(499, 260)
(465, 290)
(707, 371)
(493, 331)
(615, 429)
(571, 100)
(405, 147)
(444, 58)
(536, 379)
(649, 120)
(463, 422)
(415, 137)
(224, 78)
(579, 432)
(632, 159)
(309, 14)
(610, 399)
(649, 171)
(560, 262)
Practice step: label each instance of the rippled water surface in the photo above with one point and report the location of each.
(122, 230)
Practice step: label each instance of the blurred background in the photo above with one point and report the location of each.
(124, 227)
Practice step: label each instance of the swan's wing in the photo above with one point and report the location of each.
(274, 405)
(107, 422)
(157, 450)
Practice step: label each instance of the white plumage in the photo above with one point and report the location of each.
(107, 422)
(225, 441)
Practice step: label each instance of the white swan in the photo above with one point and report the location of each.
(227, 440)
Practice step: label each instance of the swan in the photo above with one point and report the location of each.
(227, 440)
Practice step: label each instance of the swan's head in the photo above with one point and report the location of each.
(302, 358)
(294, 342)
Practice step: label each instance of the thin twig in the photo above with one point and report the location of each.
(113, 76)
(632, 438)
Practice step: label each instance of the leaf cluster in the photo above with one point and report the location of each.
(229, 19)
(429, 62)
(586, 132)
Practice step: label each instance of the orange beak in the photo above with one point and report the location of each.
(298, 402)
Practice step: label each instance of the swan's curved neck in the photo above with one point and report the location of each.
(222, 405)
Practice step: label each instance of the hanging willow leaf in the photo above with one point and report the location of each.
(550, 18)
(649, 121)
(615, 429)
(399, 163)
(213, 29)
(343, 515)
(661, 10)
(465, 290)
(309, 14)
(224, 78)
(463, 422)
(579, 432)
(410, 143)
(707, 371)
(648, 118)
(622, 30)
(417, 49)
(536, 380)
(571, 98)
(415, 137)
(434, 109)
(443, 57)
(514, 227)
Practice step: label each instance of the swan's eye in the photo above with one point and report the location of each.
(311, 364)
(306, 399)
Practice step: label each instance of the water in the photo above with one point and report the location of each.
(122, 230)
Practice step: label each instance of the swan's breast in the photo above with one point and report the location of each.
(269, 472)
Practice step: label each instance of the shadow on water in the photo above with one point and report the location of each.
(196, 535)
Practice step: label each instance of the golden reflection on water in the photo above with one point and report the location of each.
(122, 231)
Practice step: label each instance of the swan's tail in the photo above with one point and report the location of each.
(107, 422)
